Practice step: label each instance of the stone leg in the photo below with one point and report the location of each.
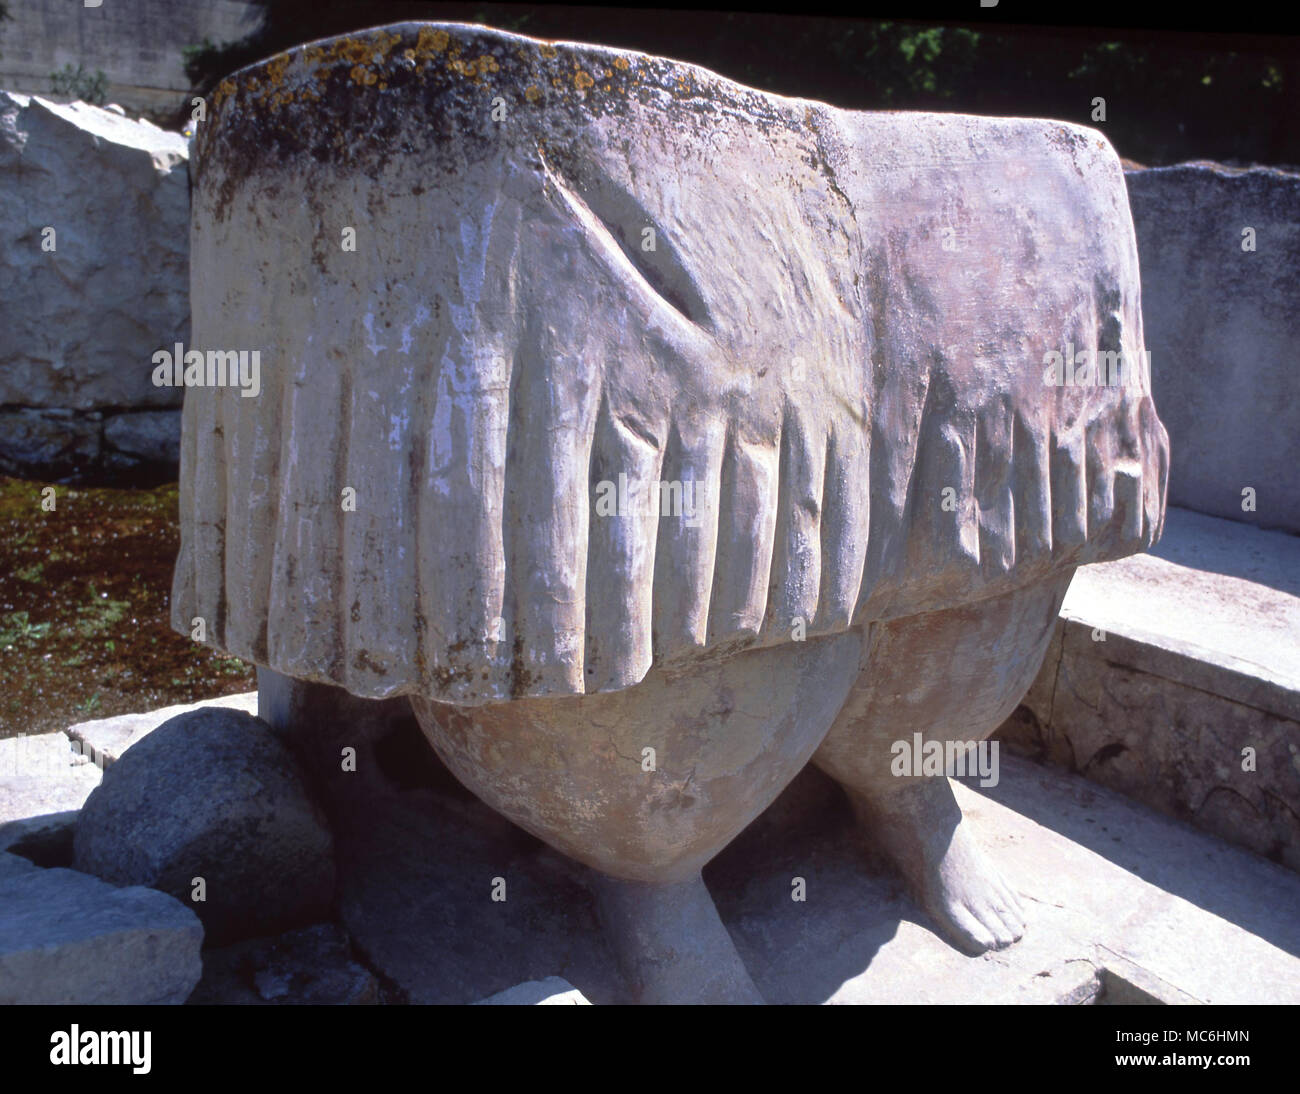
(951, 675)
(320, 721)
(671, 944)
(646, 784)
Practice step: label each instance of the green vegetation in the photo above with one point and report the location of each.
(100, 615)
(79, 84)
(17, 629)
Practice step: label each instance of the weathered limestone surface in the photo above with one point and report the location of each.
(517, 289)
(843, 315)
(43, 769)
(1165, 667)
(81, 322)
(1222, 325)
(213, 794)
(69, 938)
(137, 44)
(44, 781)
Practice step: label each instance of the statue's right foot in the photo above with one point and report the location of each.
(920, 828)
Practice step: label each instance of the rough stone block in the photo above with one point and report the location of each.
(153, 435)
(82, 320)
(66, 937)
(42, 782)
(1178, 682)
(56, 443)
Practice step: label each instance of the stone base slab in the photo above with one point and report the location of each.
(1124, 905)
(1174, 677)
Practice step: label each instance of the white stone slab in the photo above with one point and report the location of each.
(42, 781)
(1217, 594)
(553, 991)
(105, 739)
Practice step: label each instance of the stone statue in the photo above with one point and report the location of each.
(655, 435)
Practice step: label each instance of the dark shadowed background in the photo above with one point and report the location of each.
(1171, 95)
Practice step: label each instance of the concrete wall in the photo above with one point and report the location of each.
(137, 44)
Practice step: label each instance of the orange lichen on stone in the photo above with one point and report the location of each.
(480, 67)
(548, 52)
(355, 50)
(385, 40)
(582, 81)
(431, 41)
(621, 63)
(532, 93)
(349, 49)
(275, 68)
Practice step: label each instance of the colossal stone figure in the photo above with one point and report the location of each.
(503, 289)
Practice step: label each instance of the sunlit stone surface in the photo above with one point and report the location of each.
(500, 290)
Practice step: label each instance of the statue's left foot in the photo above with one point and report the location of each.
(672, 944)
